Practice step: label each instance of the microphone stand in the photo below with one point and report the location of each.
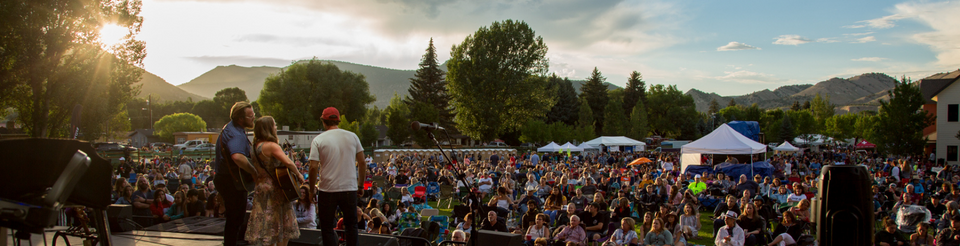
(460, 176)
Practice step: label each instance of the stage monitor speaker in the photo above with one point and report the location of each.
(844, 208)
(308, 237)
(118, 217)
(486, 237)
(377, 240)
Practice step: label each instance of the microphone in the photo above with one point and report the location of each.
(416, 126)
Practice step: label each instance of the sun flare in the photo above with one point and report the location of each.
(111, 34)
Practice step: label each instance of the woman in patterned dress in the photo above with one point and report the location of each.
(272, 220)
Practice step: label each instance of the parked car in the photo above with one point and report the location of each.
(528, 145)
(111, 146)
(159, 144)
(189, 144)
(497, 144)
(202, 147)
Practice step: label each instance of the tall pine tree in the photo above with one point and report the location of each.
(585, 122)
(567, 106)
(636, 90)
(638, 122)
(714, 106)
(429, 86)
(595, 93)
(614, 119)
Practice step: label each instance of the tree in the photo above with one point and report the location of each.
(615, 119)
(585, 123)
(863, 128)
(567, 106)
(229, 96)
(771, 123)
(429, 86)
(373, 116)
(535, 131)
(211, 112)
(732, 103)
(822, 109)
(368, 134)
(398, 125)
(425, 113)
(714, 106)
(636, 90)
(638, 122)
(352, 126)
(899, 125)
(806, 105)
(497, 80)
(179, 122)
(732, 113)
(796, 106)
(595, 92)
(786, 129)
(804, 125)
(670, 111)
(752, 113)
(52, 59)
(841, 126)
(298, 94)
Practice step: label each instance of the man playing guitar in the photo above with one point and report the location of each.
(232, 152)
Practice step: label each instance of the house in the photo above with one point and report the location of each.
(142, 137)
(946, 94)
(180, 137)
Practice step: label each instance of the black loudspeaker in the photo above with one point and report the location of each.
(118, 217)
(308, 237)
(844, 208)
(377, 240)
(486, 237)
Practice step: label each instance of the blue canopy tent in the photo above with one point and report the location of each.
(699, 169)
(735, 170)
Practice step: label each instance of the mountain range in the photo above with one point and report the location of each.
(383, 82)
(854, 94)
(851, 94)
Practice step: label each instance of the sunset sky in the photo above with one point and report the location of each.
(728, 47)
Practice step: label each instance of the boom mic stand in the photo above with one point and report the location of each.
(460, 175)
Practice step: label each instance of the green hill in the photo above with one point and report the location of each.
(160, 90)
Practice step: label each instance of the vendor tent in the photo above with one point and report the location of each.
(586, 146)
(786, 146)
(551, 147)
(863, 144)
(617, 141)
(570, 147)
(724, 140)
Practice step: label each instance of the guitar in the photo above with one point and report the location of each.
(289, 183)
(242, 180)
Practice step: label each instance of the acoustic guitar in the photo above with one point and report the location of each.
(289, 183)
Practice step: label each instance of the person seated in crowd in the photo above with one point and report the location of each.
(378, 227)
(721, 211)
(493, 223)
(554, 204)
(697, 185)
(752, 224)
(195, 206)
(689, 224)
(466, 223)
(802, 210)
(780, 196)
(658, 235)
(595, 223)
(160, 205)
(889, 235)
(538, 230)
(306, 209)
(502, 202)
(573, 233)
(524, 200)
(178, 209)
(797, 195)
(730, 234)
(624, 235)
(460, 236)
(922, 236)
(649, 201)
(787, 231)
(579, 199)
(563, 218)
(621, 209)
(745, 184)
(529, 217)
(950, 235)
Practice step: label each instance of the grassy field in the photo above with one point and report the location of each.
(705, 235)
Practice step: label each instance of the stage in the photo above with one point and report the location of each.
(135, 237)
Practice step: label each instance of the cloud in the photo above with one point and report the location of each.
(736, 46)
(240, 60)
(865, 39)
(879, 23)
(827, 40)
(791, 40)
(858, 34)
(869, 59)
(748, 77)
(941, 17)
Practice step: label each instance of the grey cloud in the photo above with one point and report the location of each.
(297, 41)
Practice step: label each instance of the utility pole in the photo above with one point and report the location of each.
(151, 111)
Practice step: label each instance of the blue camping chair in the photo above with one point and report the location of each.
(408, 220)
(444, 223)
(433, 189)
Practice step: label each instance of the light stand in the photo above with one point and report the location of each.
(460, 175)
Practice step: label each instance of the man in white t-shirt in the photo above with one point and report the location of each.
(336, 157)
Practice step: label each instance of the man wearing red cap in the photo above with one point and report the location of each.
(336, 157)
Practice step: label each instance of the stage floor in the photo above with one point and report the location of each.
(148, 238)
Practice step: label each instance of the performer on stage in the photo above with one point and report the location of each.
(232, 151)
(337, 157)
(272, 220)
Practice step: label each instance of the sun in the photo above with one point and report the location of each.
(111, 34)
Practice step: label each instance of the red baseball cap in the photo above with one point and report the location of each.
(330, 113)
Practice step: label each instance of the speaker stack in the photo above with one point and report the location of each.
(844, 207)
(118, 216)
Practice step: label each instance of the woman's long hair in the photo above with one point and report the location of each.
(263, 130)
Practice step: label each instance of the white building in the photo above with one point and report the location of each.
(948, 126)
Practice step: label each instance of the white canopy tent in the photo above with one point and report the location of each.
(586, 146)
(617, 141)
(786, 146)
(724, 140)
(570, 147)
(550, 147)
